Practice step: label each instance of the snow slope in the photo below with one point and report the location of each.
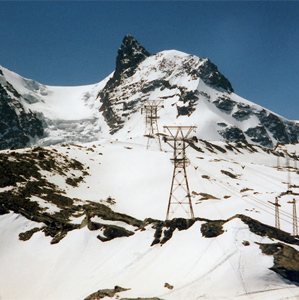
(69, 114)
(138, 181)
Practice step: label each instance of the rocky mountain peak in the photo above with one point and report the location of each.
(130, 54)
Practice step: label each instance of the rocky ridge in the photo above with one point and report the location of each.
(18, 125)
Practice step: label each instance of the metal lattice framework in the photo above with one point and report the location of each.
(277, 205)
(151, 108)
(295, 223)
(277, 220)
(179, 193)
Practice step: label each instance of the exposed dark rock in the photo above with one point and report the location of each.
(283, 131)
(209, 73)
(155, 84)
(242, 115)
(189, 98)
(16, 125)
(229, 174)
(286, 260)
(100, 294)
(266, 230)
(212, 229)
(130, 54)
(166, 228)
(3, 210)
(74, 181)
(260, 136)
(110, 231)
(93, 209)
(169, 286)
(154, 298)
(225, 104)
(25, 236)
(212, 147)
(206, 196)
(22, 172)
(233, 134)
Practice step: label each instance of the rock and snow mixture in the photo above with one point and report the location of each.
(83, 206)
(192, 88)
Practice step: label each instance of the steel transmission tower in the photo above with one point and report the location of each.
(277, 205)
(151, 108)
(295, 223)
(179, 193)
(288, 170)
(277, 220)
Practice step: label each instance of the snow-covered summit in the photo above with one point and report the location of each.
(194, 93)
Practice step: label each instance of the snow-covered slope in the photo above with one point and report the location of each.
(85, 220)
(64, 114)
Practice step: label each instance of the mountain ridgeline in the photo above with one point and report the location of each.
(193, 90)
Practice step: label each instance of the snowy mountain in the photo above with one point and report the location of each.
(193, 90)
(83, 206)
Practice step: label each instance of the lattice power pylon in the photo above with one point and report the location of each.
(179, 197)
(151, 108)
(295, 223)
(288, 166)
(277, 220)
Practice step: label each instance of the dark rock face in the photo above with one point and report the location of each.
(283, 131)
(16, 125)
(233, 134)
(105, 293)
(209, 73)
(130, 54)
(242, 114)
(165, 229)
(189, 99)
(225, 104)
(286, 260)
(259, 135)
(212, 229)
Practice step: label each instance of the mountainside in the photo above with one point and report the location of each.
(36, 114)
(89, 220)
(84, 195)
(193, 90)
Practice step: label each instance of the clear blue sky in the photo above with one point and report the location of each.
(254, 44)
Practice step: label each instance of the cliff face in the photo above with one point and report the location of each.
(17, 126)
